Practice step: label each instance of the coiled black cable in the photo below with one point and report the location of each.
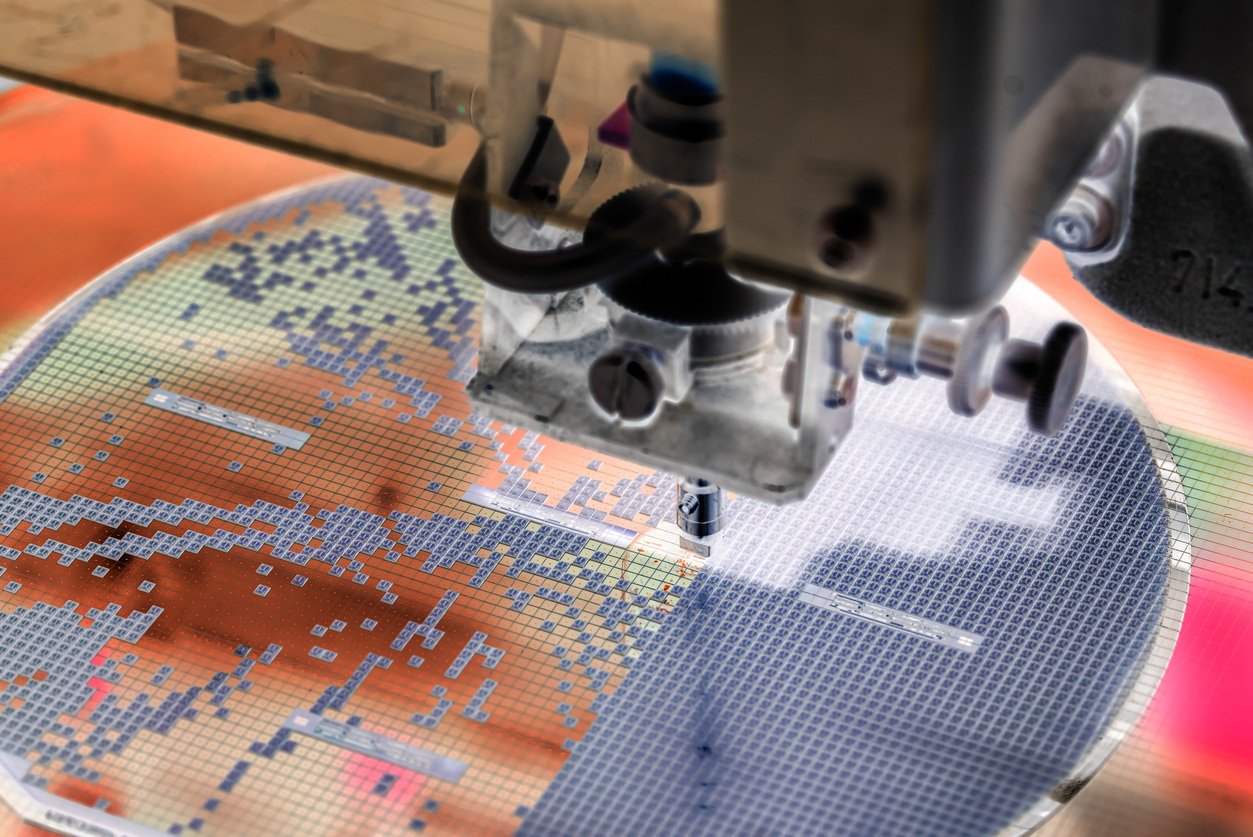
(665, 223)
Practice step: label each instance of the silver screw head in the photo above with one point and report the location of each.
(626, 383)
(1084, 223)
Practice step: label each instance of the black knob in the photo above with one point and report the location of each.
(1047, 376)
(1062, 360)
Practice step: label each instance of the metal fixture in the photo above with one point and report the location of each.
(698, 514)
(979, 360)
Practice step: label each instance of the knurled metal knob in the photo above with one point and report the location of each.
(1047, 376)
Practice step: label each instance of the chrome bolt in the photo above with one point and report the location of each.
(1084, 223)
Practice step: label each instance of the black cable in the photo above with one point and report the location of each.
(666, 222)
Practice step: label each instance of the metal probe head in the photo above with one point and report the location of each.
(698, 514)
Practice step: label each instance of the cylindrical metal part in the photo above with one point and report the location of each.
(937, 353)
(699, 512)
(1017, 370)
(910, 347)
(974, 365)
(678, 139)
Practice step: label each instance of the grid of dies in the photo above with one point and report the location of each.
(354, 578)
(754, 711)
(348, 578)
